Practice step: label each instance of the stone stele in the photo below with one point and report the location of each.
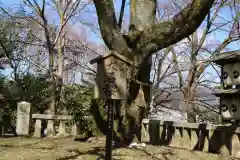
(23, 118)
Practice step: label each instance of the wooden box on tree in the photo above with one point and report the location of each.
(112, 75)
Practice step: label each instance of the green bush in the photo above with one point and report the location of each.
(27, 88)
(77, 99)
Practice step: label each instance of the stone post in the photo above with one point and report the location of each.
(75, 129)
(178, 142)
(62, 128)
(170, 135)
(145, 131)
(206, 140)
(154, 131)
(186, 138)
(225, 139)
(50, 128)
(37, 130)
(195, 139)
(235, 145)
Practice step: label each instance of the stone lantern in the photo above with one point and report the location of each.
(230, 82)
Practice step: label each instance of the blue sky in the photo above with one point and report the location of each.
(219, 35)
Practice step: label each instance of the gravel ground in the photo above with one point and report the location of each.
(67, 149)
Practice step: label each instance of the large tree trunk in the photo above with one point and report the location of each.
(52, 106)
(138, 103)
(129, 113)
(60, 72)
(144, 39)
(189, 91)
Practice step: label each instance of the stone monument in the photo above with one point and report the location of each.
(23, 118)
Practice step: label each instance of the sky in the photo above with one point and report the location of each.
(86, 17)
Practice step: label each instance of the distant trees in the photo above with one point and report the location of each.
(38, 53)
(189, 58)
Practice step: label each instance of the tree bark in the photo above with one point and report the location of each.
(59, 80)
(162, 35)
(189, 104)
(142, 14)
(138, 103)
(189, 92)
(52, 105)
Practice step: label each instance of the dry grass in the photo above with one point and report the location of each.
(68, 149)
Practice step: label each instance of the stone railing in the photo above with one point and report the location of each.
(50, 124)
(221, 139)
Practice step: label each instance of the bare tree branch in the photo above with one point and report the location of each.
(181, 26)
(109, 29)
(121, 14)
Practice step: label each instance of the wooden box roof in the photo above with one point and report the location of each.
(112, 53)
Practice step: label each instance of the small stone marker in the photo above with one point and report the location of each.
(23, 118)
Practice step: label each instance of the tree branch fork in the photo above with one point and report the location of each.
(152, 38)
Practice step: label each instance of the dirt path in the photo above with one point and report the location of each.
(68, 149)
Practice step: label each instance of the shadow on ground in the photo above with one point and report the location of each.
(96, 151)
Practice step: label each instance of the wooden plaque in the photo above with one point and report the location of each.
(111, 78)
